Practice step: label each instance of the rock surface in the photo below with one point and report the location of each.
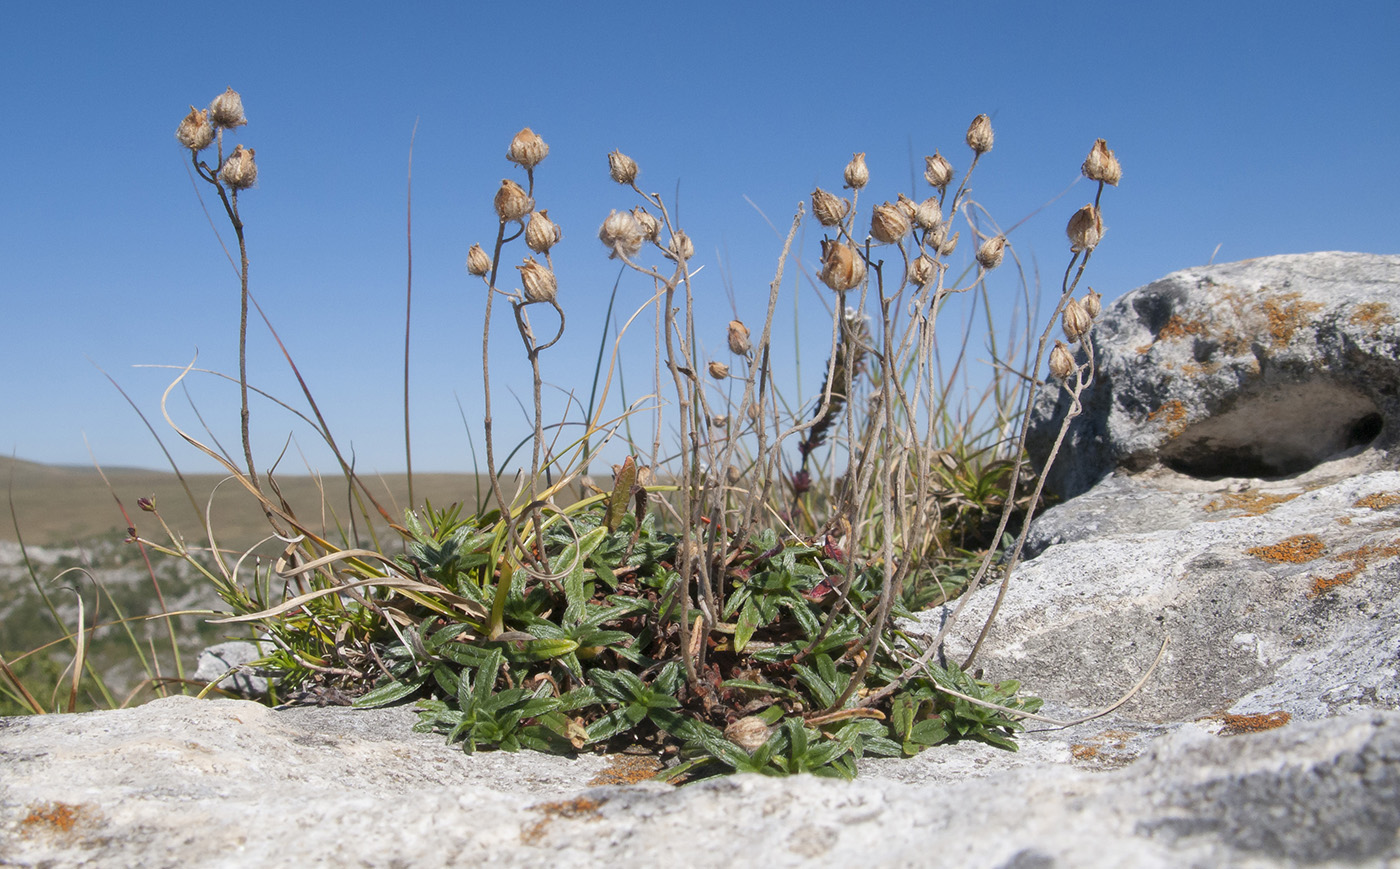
(1261, 368)
(181, 782)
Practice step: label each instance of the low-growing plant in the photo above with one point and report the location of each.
(735, 597)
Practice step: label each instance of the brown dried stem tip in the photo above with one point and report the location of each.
(540, 283)
(979, 135)
(239, 171)
(622, 168)
(1061, 361)
(1101, 165)
(527, 149)
(227, 110)
(195, 132)
(512, 202)
(478, 263)
(938, 171)
(622, 234)
(1085, 229)
(541, 233)
(830, 210)
(888, 223)
(857, 173)
(842, 267)
(991, 251)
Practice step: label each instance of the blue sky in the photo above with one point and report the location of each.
(1257, 128)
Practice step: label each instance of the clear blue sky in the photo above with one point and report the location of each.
(1260, 128)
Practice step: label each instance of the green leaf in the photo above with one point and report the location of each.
(748, 623)
(576, 554)
(386, 694)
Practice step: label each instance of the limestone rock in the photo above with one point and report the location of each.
(181, 782)
(1261, 368)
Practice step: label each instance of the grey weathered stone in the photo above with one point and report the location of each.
(216, 662)
(181, 782)
(1277, 596)
(1262, 368)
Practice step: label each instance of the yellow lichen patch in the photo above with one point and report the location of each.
(1372, 314)
(1291, 550)
(1106, 750)
(1359, 559)
(52, 818)
(1250, 502)
(627, 769)
(1378, 501)
(1286, 315)
(1178, 327)
(578, 807)
(1172, 415)
(1237, 724)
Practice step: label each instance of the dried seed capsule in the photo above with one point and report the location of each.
(979, 135)
(922, 270)
(907, 205)
(681, 247)
(1091, 303)
(738, 338)
(990, 253)
(541, 233)
(928, 214)
(1076, 321)
(718, 370)
(719, 421)
(478, 263)
(1101, 165)
(829, 210)
(622, 234)
(888, 223)
(748, 733)
(239, 170)
(948, 245)
(512, 202)
(651, 227)
(540, 283)
(622, 168)
(842, 267)
(227, 110)
(527, 149)
(1061, 361)
(1085, 229)
(195, 132)
(857, 173)
(938, 171)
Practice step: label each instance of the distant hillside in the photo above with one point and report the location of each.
(56, 504)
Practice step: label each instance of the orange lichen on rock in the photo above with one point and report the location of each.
(1292, 550)
(1251, 503)
(1106, 750)
(1286, 315)
(52, 817)
(1173, 417)
(1378, 501)
(1178, 327)
(1360, 559)
(627, 769)
(1237, 724)
(1372, 314)
(578, 807)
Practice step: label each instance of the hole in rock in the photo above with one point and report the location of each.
(1285, 430)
